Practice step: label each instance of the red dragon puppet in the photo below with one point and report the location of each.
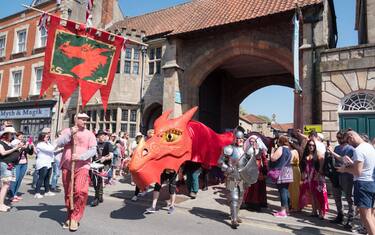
(174, 142)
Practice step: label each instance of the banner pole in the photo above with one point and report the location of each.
(71, 193)
(126, 39)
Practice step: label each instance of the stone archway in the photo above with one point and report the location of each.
(151, 113)
(224, 77)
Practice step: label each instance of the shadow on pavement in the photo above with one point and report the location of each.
(131, 211)
(302, 231)
(211, 214)
(56, 213)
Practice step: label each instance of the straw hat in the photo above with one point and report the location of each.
(7, 129)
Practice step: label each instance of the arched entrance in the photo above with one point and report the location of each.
(151, 113)
(235, 72)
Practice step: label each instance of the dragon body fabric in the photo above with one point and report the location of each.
(174, 142)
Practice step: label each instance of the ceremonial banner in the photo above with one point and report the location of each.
(297, 87)
(76, 55)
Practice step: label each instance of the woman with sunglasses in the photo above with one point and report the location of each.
(313, 189)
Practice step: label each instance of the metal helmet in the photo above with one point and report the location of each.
(239, 134)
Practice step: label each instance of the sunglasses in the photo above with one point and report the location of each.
(312, 145)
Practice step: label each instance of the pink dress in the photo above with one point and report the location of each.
(313, 185)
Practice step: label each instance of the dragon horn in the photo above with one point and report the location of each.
(162, 118)
(187, 116)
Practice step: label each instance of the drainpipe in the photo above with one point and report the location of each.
(141, 100)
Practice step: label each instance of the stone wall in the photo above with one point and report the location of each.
(344, 72)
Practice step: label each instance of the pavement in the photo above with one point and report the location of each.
(212, 204)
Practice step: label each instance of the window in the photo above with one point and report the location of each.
(135, 67)
(38, 79)
(93, 117)
(154, 65)
(43, 37)
(124, 127)
(124, 116)
(132, 130)
(127, 67)
(128, 53)
(21, 40)
(108, 115)
(133, 115)
(2, 45)
(359, 102)
(101, 118)
(16, 85)
(114, 115)
(131, 61)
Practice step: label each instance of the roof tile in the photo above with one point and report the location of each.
(202, 14)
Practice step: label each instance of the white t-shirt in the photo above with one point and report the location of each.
(365, 153)
(45, 155)
(320, 147)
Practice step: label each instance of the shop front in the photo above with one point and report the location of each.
(28, 117)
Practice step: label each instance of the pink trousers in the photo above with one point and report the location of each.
(81, 187)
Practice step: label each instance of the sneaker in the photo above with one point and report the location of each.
(95, 202)
(150, 210)
(73, 225)
(171, 210)
(49, 194)
(193, 195)
(142, 194)
(280, 214)
(338, 219)
(134, 198)
(38, 196)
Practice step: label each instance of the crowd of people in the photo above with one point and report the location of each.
(297, 164)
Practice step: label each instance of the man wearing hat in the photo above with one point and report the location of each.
(104, 155)
(85, 149)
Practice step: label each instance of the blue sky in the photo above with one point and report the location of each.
(266, 101)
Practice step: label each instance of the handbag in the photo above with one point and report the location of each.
(274, 174)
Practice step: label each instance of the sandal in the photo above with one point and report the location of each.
(4, 208)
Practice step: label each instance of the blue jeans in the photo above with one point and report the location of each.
(284, 194)
(20, 173)
(55, 174)
(44, 176)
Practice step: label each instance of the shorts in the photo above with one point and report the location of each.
(364, 194)
(171, 177)
(7, 175)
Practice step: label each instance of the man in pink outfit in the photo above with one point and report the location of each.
(85, 149)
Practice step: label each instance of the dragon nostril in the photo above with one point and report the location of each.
(145, 152)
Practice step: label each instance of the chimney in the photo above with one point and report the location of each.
(107, 12)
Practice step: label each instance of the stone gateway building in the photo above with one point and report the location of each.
(213, 54)
(348, 84)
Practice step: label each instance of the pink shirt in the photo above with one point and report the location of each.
(85, 140)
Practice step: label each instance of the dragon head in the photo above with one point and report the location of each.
(168, 148)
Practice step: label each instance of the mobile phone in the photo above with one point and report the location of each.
(328, 143)
(30, 140)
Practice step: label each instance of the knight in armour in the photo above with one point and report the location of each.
(240, 170)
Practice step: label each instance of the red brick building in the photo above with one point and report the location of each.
(22, 47)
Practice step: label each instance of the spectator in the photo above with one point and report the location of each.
(56, 167)
(45, 157)
(21, 167)
(8, 159)
(341, 182)
(313, 187)
(255, 196)
(294, 187)
(280, 161)
(362, 167)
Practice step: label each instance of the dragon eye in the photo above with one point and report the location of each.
(172, 135)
